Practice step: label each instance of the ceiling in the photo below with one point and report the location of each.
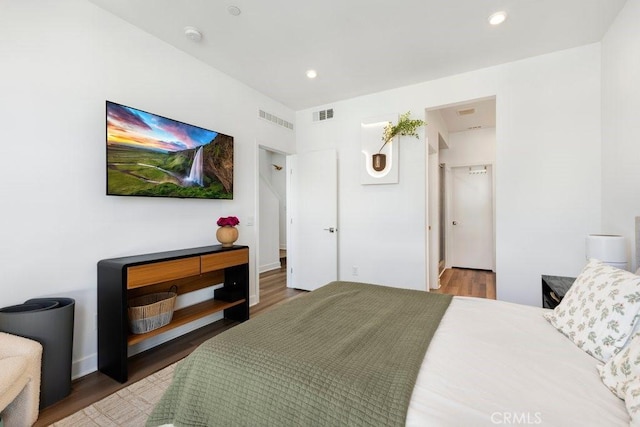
(362, 46)
(470, 116)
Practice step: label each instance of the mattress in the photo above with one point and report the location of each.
(493, 362)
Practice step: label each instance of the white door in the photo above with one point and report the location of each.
(472, 217)
(312, 217)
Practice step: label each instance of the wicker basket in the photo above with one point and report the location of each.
(149, 312)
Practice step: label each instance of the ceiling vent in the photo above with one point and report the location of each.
(466, 111)
(275, 119)
(322, 115)
(474, 127)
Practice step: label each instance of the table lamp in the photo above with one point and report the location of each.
(607, 248)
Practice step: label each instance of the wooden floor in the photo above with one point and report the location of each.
(466, 282)
(273, 291)
(95, 386)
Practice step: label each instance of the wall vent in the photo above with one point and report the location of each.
(466, 111)
(275, 119)
(322, 115)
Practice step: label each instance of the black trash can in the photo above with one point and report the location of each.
(50, 322)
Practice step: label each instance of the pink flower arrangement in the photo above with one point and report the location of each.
(229, 221)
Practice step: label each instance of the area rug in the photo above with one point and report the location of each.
(129, 407)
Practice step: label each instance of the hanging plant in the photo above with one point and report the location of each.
(404, 127)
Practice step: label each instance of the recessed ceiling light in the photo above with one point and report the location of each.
(312, 74)
(498, 18)
(234, 10)
(193, 34)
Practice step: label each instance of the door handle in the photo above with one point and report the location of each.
(330, 229)
(455, 222)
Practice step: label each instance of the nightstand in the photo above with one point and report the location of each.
(554, 288)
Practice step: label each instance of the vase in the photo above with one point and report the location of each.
(379, 162)
(227, 235)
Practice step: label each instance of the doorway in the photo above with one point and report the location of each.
(472, 217)
(272, 214)
(460, 136)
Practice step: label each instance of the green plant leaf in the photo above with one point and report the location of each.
(404, 127)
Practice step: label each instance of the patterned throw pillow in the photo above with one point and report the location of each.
(600, 309)
(632, 400)
(622, 375)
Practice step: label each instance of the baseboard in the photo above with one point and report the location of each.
(269, 267)
(84, 366)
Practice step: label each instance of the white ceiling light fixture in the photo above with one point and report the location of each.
(312, 74)
(193, 34)
(498, 18)
(234, 10)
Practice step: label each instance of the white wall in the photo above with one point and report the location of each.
(547, 171)
(620, 128)
(270, 202)
(61, 61)
(279, 184)
(376, 223)
(470, 147)
(269, 255)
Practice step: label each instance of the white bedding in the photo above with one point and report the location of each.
(496, 363)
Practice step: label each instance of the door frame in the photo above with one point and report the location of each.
(434, 145)
(442, 215)
(449, 203)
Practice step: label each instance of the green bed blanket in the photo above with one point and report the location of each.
(347, 354)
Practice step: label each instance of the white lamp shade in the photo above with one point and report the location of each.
(607, 248)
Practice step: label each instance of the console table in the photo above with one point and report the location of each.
(188, 270)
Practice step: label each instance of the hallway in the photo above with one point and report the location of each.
(467, 282)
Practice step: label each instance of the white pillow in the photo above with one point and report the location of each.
(598, 312)
(622, 375)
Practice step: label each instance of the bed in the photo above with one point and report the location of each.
(483, 362)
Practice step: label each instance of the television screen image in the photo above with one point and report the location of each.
(151, 155)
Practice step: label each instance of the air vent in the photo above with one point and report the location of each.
(474, 127)
(275, 119)
(466, 111)
(322, 115)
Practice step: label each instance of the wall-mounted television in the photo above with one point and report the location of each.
(151, 155)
